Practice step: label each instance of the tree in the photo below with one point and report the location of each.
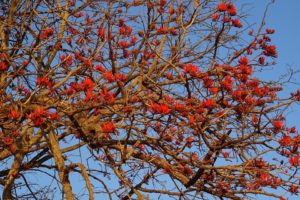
(140, 99)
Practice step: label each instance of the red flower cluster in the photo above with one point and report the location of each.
(87, 84)
(244, 60)
(38, 116)
(68, 59)
(7, 141)
(286, 141)
(215, 17)
(237, 23)
(47, 33)
(270, 31)
(3, 66)
(295, 161)
(108, 127)
(222, 7)
(100, 68)
(109, 76)
(107, 96)
(230, 9)
(298, 95)
(261, 60)
(278, 125)
(162, 30)
(123, 44)
(14, 114)
(125, 30)
(270, 51)
(191, 69)
(101, 33)
(227, 83)
(159, 108)
(44, 81)
(209, 103)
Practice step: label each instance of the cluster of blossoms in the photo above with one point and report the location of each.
(227, 10)
(46, 33)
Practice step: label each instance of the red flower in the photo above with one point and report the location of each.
(108, 127)
(244, 60)
(270, 51)
(223, 186)
(264, 176)
(43, 81)
(159, 108)
(101, 33)
(7, 141)
(77, 15)
(109, 76)
(298, 95)
(88, 84)
(187, 170)
(100, 68)
(120, 77)
(227, 83)
(125, 30)
(286, 141)
(121, 22)
(225, 154)
(67, 58)
(250, 32)
(141, 147)
(215, 17)
(14, 114)
(245, 69)
(222, 7)
(178, 106)
(226, 19)
(191, 69)
(278, 125)
(47, 33)
(294, 189)
(259, 163)
(270, 31)
(231, 9)
(207, 81)
(162, 30)
(189, 139)
(174, 32)
(209, 103)
(123, 44)
(107, 96)
(295, 161)
(163, 108)
(133, 40)
(253, 83)
(3, 66)
(213, 90)
(237, 23)
(162, 2)
(261, 60)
